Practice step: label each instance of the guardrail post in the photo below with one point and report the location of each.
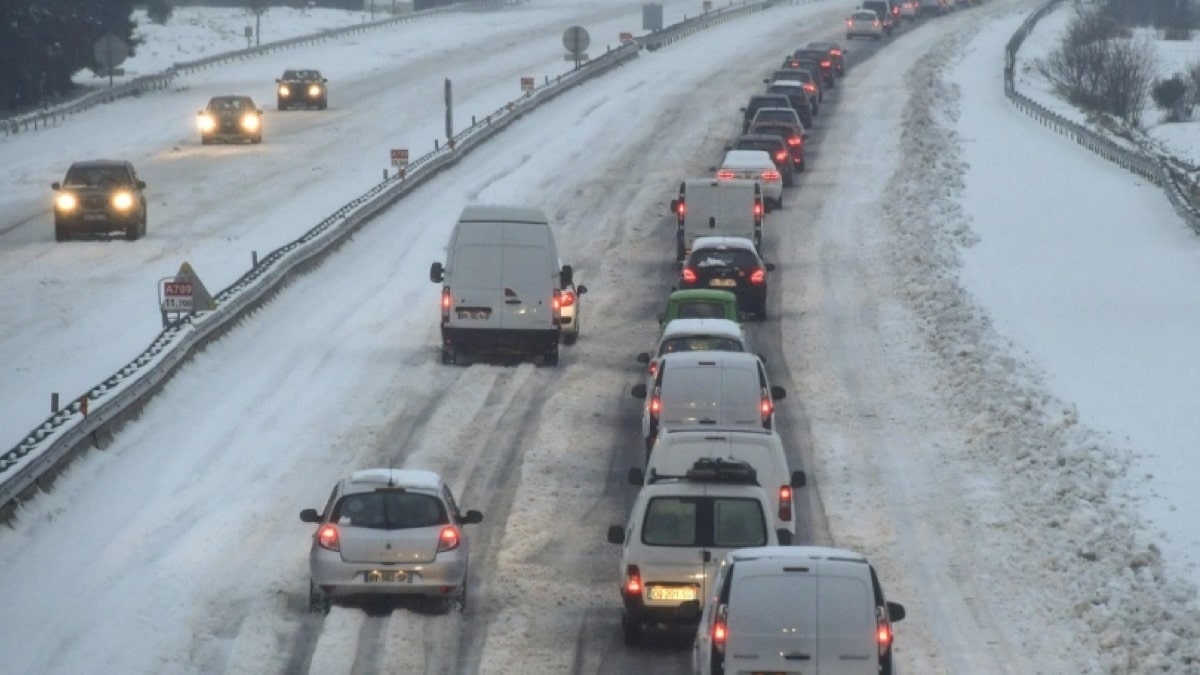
(254, 254)
(435, 144)
(53, 402)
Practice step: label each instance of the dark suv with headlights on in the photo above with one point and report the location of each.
(230, 118)
(301, 89)
(100, 196)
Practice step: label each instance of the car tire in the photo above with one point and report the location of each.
(132, 232)
(61, 233)
(318, 602)
(631, 630)
(323, 106)
(570, 338)
(550, 358)
(449, 357)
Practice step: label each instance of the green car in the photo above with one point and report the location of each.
(701, 303)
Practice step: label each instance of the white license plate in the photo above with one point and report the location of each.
(386, 576)
(722, 282)
(681, 593)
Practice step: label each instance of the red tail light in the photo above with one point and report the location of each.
(557, 302)
(720, 630)
(794, 140)
(896, 11)
(655, 406)
(785, 503)
(447, 301)
(567, 298)
(826, 64)
(653, 368)
(781, 156)
(758, 276)
(633, 580)
(849, 22)
(327, 538)
(883, 633)
(681, 209)
(876, 23)
(449, 539)
(725, 174)
(758, 207)
(812, 88)
(795, 64)
(835, 52)
(689, 275)
(771, 176)
(767, 406)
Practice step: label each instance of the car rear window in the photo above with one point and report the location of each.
(694, 343)
(775, 116)
(759, 145)
(726, 522)
(389, 510)
(700, 309)
(709, 258)
(865, 16)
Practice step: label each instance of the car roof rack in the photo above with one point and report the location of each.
(719, 470)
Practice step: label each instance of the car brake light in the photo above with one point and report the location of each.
(447, 300)
(826, 64)
(448, 540)
(725, 174)
(794, 140)
(758, 276)
(653, 368)
(781, 156)
(771, 176)
(896, 10)
(633, 580)
(876, 23)
(689, 275)
(785, 503)
(767, 406)
(758, 209)
(849, 22)
(883, 633)
(567, 297)
(682, 208)
(835, 52)
(655, 406)
(810, 87)
(327, 538)
(720, 632)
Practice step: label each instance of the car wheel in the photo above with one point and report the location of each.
(131, 232)
(449, 357)
(61, 233)
(631, 630)
(318, 602)
(550, 358)
(323, 106)
(570, 338)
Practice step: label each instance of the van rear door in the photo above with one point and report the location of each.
(846, 630)
(527, 286)
(772, 625)
(735, 210)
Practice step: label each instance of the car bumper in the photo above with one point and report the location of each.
(97, 221)
(672, 615)
(499, 339)
(340, 579)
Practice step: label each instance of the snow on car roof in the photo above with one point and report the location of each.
(720, 327)
(416, 478)
(723, 242)
(756, 159)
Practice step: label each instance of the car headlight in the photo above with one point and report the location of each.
(284, 90)
(66, 202)
(122, 201)
(207, 123)
(314, 90)
(250, 122)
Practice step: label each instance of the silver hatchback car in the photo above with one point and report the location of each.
(389, 532)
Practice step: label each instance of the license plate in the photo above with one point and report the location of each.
(95, 216)
(722, 282)
(474, 314)
(386, 576)
(681, 593)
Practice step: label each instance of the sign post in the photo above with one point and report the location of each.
(527, 85)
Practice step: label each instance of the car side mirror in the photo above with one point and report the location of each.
(580, 290)
(616, 534)
(636, 477)
(638, 391)
(643, 357)
(778, 393)
(895, 611)
(472, 517)
(566, 275)
(310, 516)
(141, 185)
(770, 267)
(799, 479)
(437, 273)
(784, 536)
(56, 185)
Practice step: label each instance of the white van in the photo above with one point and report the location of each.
(677, 450)
(788, 608)
(707, 390)
(707, 207)
(501, 284)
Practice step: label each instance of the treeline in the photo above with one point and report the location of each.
(43, 43)
(1163, 14)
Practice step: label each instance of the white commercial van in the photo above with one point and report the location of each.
(677, 450)
(501, 284)
(707, 207)
(783, 609)
(699, 390)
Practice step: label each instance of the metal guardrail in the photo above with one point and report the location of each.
(55, 114)
(34, 462)
(1163, 170)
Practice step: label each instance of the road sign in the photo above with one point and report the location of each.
(526, 84)
(110, 51)
(707, 6)
(400, 157)
(177, 296)
(576, 39)
(626, 38)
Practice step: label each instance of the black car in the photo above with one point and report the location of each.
(809, 73)
(729, 264)
(774, 146)
(302, 89)
(100, 197)
(836, 54)
(793, 137)
(762, 101)
(802, 102)
(822, 58)
(230, 118)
